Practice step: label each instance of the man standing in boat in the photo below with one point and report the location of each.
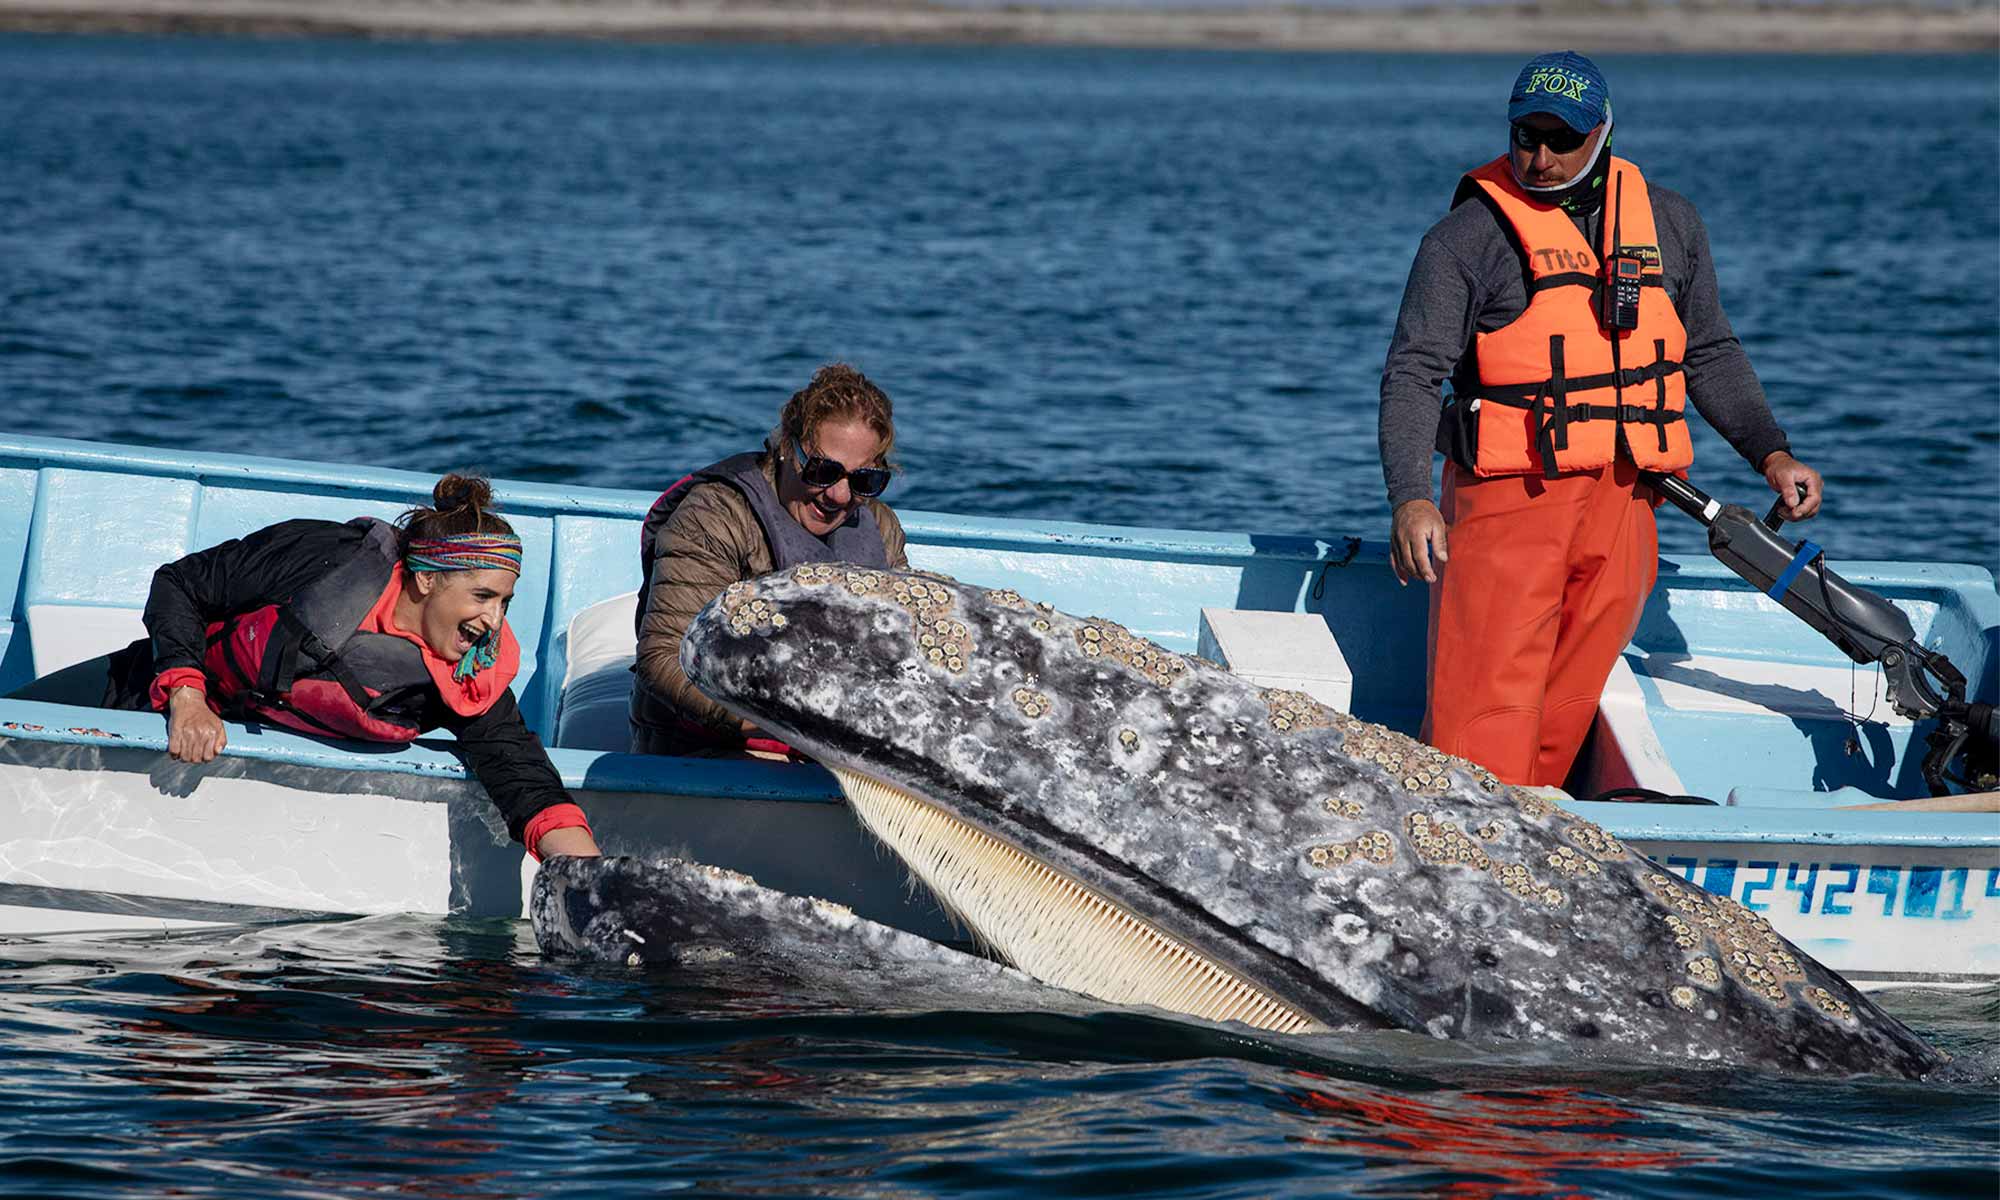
(1574, 310)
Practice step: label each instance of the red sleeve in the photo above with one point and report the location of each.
(550, 819)
(174, 677)
(771, 746)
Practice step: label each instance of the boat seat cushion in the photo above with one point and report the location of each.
(600, 648)
(62, 635)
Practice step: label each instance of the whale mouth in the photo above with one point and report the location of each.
(1051, 926)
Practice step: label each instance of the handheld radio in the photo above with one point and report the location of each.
(1620, 303)
(1618, 300)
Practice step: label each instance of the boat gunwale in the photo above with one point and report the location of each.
(752, 780)
(923, 527)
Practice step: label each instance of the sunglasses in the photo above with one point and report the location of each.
(1562, 139)
(825, 472)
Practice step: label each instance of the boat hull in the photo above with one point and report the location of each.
(106, 837)
(117, 837)
(1880, 915)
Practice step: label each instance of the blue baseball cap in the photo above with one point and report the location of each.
(1564, 84)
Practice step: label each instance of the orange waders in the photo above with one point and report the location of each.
(1542, 593)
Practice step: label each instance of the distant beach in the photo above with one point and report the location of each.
(1640, 27)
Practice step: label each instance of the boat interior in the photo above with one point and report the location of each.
(1721, 694)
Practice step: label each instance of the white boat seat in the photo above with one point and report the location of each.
(1745, 687)
(63, 635)
(600, 648)
(1290, 650)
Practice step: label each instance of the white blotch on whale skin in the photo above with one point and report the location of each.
(1376, 894)
(1442, 931)
(967, 755)
(823, 697)
(1357, 979)
(1580, 987)
(1545, 949)
(1271, 940)
(1350, 929)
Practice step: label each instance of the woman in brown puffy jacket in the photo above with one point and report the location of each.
(809, 496)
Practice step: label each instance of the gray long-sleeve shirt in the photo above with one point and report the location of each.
(1467, 279)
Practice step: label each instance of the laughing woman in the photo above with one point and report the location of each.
(364, 630)
(809, 496)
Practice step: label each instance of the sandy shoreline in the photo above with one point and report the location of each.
(1514, 29)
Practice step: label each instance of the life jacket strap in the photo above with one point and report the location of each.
(1552, 425)
(1523, 395)
(284, 672)
(1584, 280)
(1629, 414)
(1660, 390)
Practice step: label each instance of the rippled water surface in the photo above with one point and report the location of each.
(1119, 287)
(1122, 287)
(408, 1056)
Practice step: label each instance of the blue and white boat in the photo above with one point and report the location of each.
(1720, 694)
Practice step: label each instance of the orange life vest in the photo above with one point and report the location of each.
(1556, 391)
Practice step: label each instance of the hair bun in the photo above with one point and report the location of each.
(455, 493)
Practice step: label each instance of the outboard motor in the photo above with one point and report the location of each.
(1923, 684)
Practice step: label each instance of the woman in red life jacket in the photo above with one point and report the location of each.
(808, 496)
(361, 630)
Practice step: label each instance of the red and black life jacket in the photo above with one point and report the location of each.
(307, 665)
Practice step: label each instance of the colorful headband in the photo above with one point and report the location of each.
(465, 552)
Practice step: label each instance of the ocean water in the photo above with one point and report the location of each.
(415, 1057)
(1122, 287)
(1118, 287)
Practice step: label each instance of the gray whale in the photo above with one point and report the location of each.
(1144, 827)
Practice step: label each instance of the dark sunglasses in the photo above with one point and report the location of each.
(825, 472)
(1562, 139)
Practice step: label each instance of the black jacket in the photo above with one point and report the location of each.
(267, 567)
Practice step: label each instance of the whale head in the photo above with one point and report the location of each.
(1146, 828)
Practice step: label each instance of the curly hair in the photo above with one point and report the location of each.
(839, 392)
